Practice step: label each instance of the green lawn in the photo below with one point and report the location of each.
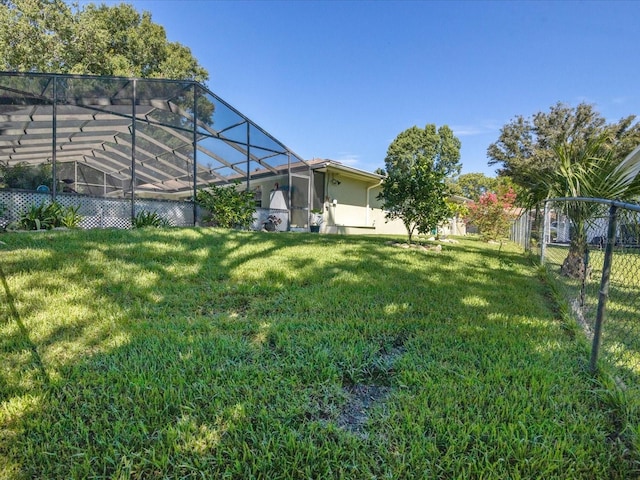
(620, 346)
(200, 353)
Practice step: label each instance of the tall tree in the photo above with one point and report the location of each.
(50, 36)
(473, 185)
(526, 152)
(417, 163)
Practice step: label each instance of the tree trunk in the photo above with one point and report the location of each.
(574, 265)
(410, 230)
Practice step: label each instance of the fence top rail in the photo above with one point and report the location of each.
(616, 203)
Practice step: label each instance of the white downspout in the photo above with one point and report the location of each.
(366, 218)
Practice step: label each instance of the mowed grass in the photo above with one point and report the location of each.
(201, 353)
(620, 345)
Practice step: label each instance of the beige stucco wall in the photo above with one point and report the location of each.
(352, 216)
(356, 209)
(345, 200)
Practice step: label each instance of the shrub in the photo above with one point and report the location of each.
(48, 216)
(150, 219)
(25, 176)
(228, 207)
(493, 213)
(36, 218)
(70, 217)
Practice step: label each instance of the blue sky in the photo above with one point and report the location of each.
(340, 80)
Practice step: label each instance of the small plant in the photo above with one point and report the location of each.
(70, 217)
(316, 217)
(40, 217)
(150, 219)
(33, 218)
(272, 222)
(48, 216)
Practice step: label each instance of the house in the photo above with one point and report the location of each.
(347, 198)
(116, 147)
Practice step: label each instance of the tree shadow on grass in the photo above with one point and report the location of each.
(19, 340)
(179, 352)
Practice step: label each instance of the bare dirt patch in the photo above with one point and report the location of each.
(362, 398)
(355, 413)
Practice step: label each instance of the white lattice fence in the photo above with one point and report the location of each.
(179, 214)
(97, 212)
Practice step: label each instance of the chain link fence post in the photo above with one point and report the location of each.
(545, 232)
(604, 287)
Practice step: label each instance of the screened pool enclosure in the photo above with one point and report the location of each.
(119, 146)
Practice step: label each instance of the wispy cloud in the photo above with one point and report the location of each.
(466, 130)
(348, 158)
(472, 130)
(620, 100)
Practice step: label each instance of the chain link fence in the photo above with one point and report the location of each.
(592, 248)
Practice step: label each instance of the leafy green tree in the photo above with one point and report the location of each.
(417, 163)
(50, 36)
(227, 206)
(54, 37)
(526, 152)
(473, 185)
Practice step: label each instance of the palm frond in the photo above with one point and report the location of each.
(625, 177)
(593, 170)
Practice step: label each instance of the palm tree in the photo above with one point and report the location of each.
(590, 169)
